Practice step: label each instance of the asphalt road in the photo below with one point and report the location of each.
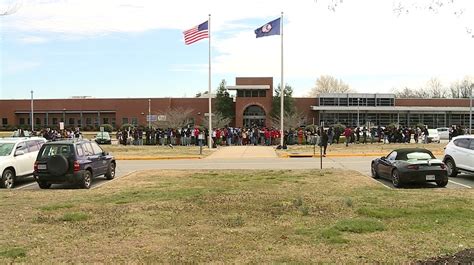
(360, 164)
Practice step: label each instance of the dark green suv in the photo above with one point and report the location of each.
(72, 161)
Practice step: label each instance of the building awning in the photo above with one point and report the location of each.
(248, 87)
(390, 109)
(64, 111)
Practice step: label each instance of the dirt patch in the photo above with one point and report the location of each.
(463, 257)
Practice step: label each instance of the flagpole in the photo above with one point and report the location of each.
(282, 87)
(209, 92)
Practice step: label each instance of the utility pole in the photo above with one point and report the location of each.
(32, 113)
(149, 113)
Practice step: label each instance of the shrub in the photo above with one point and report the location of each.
(126, 126)
(107, 127)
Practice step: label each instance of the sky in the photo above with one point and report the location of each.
(125, 48)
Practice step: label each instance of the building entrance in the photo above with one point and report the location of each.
(254, 116)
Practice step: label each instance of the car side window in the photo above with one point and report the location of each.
(88, 149)
(392, 156)
(79, 150)
(96, 148)
(32, 146)
(22, 147)
(463, 143)
(471, 145)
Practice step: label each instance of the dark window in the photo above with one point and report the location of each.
(240, 93)
(79, 122)
(32, 146)
(124, 121)
(88, 121)
(4, 121)
(463, 143)
(392, 156)
(71, 121)
(343, 102)
(45, 121)
(56, 149)
(254, 93)
(55, 121)
(106, 121)
(113, 122)
(134, 121)
(22, 121)
(38, 121)
(88, 149)
(262, 93)
(248, 93)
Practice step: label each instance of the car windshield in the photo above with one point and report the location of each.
(432, 131)
(6, 149)
(103, 135)
(56, 149)
(418, 156)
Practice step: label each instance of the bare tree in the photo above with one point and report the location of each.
(218, 121)
(176, 118)
(10, 8)
(405, 93)
(329, 84)
(436, 89)
(291, 120)
(461, 88)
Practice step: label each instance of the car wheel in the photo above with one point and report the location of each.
(44, 185)
(110, 172)
(396, 179)
(8, 179)
(86, 180)
(442, 183)
(451, 168)
(375, 175)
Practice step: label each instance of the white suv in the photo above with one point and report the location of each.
(459, 155)
(17, 158)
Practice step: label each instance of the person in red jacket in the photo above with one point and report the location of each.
(347, 134)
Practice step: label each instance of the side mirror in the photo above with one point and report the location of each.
(105, 153)
(19, 153)
(383, 158)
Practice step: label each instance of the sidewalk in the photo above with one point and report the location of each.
(248, 151)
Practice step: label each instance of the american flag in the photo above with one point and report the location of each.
(196, 33)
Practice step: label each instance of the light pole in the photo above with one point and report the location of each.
(149, 113)
(470, 108)
(32, 114)
(358, 125)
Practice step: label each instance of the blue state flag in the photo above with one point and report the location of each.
(271, 28)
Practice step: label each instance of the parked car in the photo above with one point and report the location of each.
(433, 136)
(443, 133)
(17, 157)
(72, 161)
(103, 138)
(459, 155)
(410, 165)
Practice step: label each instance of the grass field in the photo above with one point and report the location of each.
(240, 216)
(132, 151)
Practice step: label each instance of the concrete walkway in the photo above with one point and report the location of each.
(243, 152)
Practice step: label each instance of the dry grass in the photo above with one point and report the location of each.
(362, 148)
(235, 217)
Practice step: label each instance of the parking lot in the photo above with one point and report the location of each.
(360, 164)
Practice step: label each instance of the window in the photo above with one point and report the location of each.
(32, 146)
(71, 121)
(240, 93)
(254, 93)
(262, 93)
(45, 121)
(106, 121)
(22, 147)
(134, 121)
(463, 143)
(248, 93)
(88, 121)
(79, 150)
(113, 122)
(124, 121)
(22, 121)
(4, 121)
(96, 148)
(38, 121)
(55, 121)
(392, 156)
(88, 149)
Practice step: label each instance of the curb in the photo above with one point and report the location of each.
(156, 157)
(338, 155)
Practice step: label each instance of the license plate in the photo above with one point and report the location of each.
(430, 177)
(41, 166)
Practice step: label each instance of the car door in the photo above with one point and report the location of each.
(21, 159)
(385, 165)
(102, 164)
(461, 152)
(469, 159)
(91, 156)
(33, 149)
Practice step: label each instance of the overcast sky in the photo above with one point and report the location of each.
(125, 48)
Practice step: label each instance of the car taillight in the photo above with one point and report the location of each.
(77, 167)
(414, 167)
(443, 166)
(35, 167)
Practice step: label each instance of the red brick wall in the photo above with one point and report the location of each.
(432, 102)
(241, 103)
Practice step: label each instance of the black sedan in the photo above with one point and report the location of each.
(408, 165)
